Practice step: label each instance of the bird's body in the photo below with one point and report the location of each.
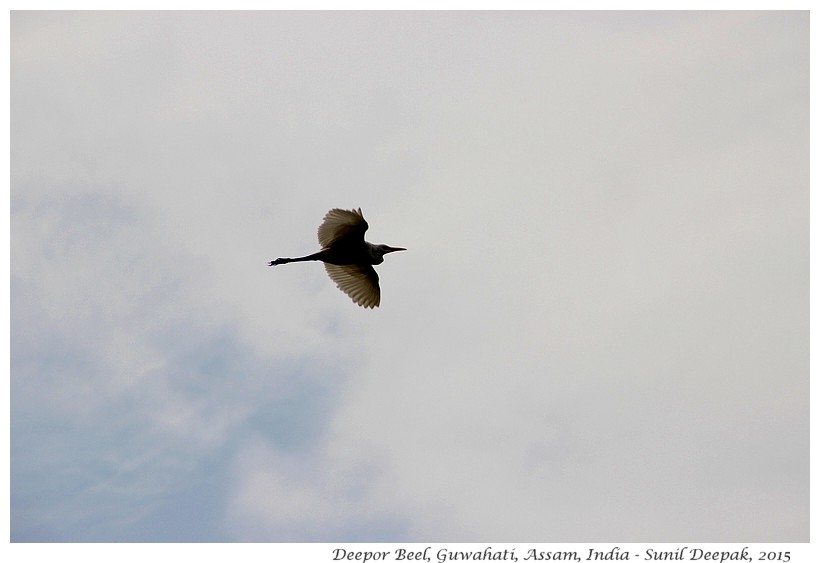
(348, 258)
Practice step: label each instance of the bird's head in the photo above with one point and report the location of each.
(379, 250)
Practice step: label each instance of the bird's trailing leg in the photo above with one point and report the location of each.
(317, 256)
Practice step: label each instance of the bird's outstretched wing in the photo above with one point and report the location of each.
(359, 281)
(342, 224)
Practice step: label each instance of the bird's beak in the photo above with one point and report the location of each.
(394, 249)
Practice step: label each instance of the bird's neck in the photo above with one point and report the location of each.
(376, 255)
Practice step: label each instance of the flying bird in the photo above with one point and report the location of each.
(348, 258)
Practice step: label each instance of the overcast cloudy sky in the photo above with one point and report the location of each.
(599, 331)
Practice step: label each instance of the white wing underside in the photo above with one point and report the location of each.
(360, 282)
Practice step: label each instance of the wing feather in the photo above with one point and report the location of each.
(359, 281)
(342, 224)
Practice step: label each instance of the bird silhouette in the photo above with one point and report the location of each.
(348, 258)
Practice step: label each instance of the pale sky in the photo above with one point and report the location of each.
(599, 331)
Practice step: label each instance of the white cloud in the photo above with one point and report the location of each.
(602, 312)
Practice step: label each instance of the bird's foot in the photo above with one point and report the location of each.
(276, 262)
